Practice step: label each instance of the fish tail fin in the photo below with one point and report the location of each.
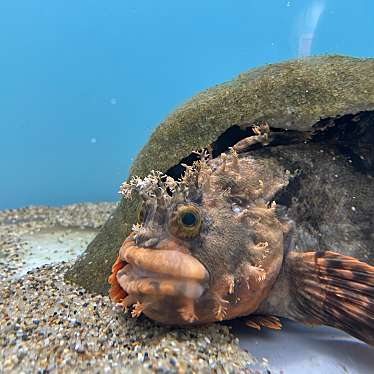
(116, 292)
(334, 290)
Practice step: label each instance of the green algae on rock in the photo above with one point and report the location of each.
(294, 96)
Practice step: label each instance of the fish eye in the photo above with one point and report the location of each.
(186, 221)
(189, 219)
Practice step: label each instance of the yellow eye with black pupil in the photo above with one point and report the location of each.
(185, 222)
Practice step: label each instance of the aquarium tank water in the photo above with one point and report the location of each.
(84, 83)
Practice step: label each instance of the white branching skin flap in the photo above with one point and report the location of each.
(159, 185)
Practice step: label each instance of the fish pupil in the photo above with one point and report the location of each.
(189, 219)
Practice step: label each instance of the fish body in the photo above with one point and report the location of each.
(240, 235)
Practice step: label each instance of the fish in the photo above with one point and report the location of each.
(215, 245)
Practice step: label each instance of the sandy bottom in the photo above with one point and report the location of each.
(54, 245)
(48, 325)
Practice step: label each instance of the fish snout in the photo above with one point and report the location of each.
(146, 239)
(168, 260)
(167, 273)
(147, 242)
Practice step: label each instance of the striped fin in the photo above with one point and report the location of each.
(335, 290)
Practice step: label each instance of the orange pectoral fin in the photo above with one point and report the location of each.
(335, 290)
(116, 292)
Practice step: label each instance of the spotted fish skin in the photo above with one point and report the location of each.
(330, 200)
(271, 236)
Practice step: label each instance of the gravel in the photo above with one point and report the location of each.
(18, 224)
(48, 325)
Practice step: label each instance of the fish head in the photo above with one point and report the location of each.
(208, 247)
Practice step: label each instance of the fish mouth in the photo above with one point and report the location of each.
(172, 287)
(161, 272)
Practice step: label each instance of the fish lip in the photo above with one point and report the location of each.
(165, 262)
(162, 272)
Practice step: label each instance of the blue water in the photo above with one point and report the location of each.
(83, 83)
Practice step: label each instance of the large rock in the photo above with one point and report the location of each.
(293, 95)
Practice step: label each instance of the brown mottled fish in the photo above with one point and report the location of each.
(215, 245)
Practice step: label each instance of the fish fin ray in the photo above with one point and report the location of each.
(335, 290)
(259, 321)
(116, 292)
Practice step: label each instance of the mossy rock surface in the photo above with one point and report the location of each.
(292, 95)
